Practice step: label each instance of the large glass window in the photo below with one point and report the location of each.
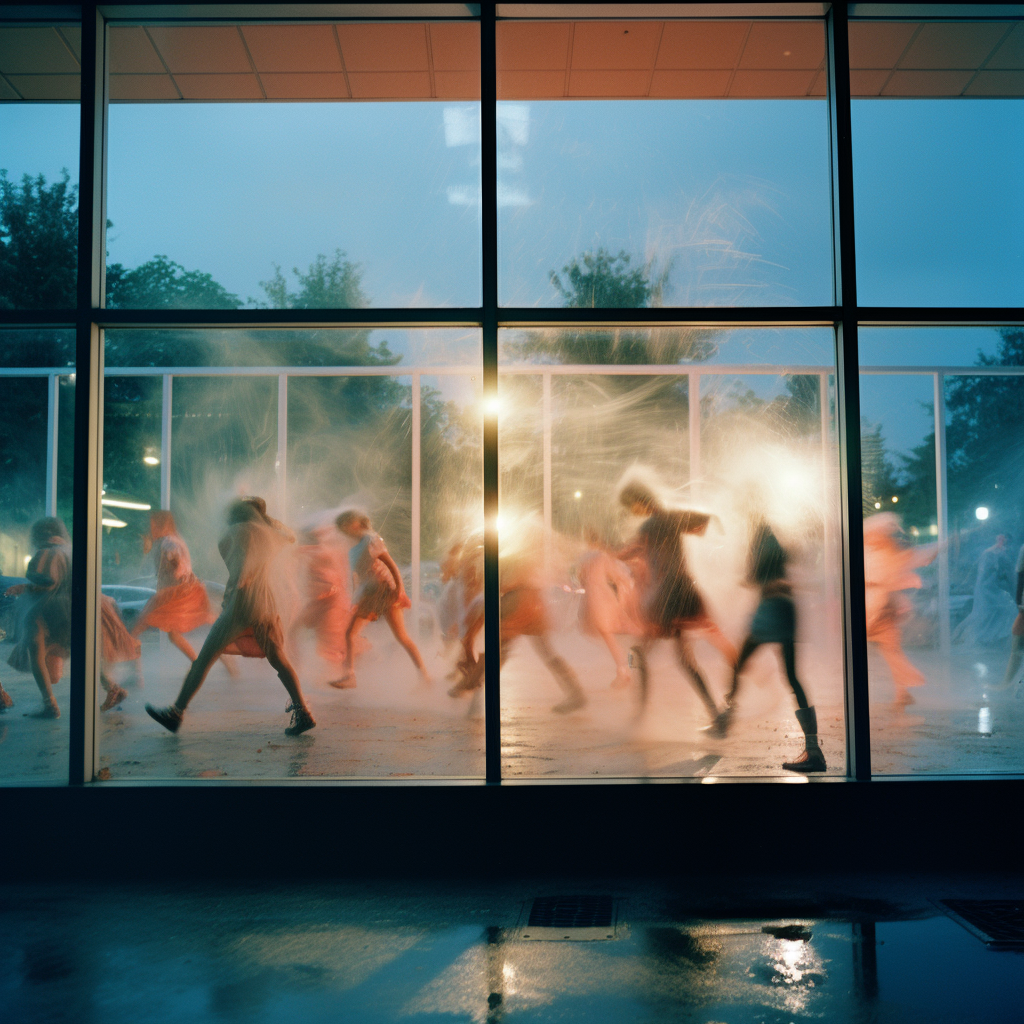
(943, 534)
(938, 134)
(363, 449)
(730, 435)
(688, 158)
(37, 408)
(294, 166)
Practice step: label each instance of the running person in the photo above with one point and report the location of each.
(249, 616)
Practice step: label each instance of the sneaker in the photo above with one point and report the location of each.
(719, 728)
(169, 717)
(807, 762)
(302, 721)
(46, 711)
(115, 695)
(6, 700)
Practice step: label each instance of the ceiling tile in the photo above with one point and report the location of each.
(384, 47)
(131, 52)
(879, 44)
(819, 87)
(142, 87)
(997, 83)
(531, 85)
(615, 45)
(702, 44)
(927, 83)
(47, 87)
(532, 45)
(784, 45)
(943, 45)
(7, 92)
(73, 35)
(292, 48)
(219, 87)
(201, 49)
(1010, 55)
(325, 85)
(455, 46)
(34, 51)
(868, 82)
(394, 85)
(457, 85)
(689, 84)
(771, 84)
(609, 84)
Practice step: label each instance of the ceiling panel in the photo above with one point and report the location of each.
(457, 85)
(782, 84)
(927, 83)
(533, 45)
(319, 86)
(394, 47)
(710, 45)
(953, 45)
(142, 87)
(131, 52)
(35, 51)
(615, 45)
(997, 83)
(293, 48)
(455, 47)
(47, 87)
(698, 84)
(219, 87)
(868, 82)
(879, 44)
(1009, 54)
(609, 84)
(784, 45)
(201, 49)
(531, 85)
(394, 85)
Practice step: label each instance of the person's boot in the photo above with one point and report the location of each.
(169, 717)
(575, 698)
(302, 721)
(812, 759)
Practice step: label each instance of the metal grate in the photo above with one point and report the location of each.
(571, 917)
(996, 922)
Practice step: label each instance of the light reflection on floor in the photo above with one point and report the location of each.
(437, 952)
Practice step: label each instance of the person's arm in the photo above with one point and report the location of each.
(386, 558)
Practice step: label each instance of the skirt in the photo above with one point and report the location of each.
(179, 608)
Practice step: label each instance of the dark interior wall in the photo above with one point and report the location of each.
(338, 830)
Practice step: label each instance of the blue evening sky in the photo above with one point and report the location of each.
(730, 197)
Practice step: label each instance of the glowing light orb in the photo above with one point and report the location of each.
(492, 406)
(981, 512)
(499, 522)
(933, 530)
(878, 504)
(150, 460)
(577, 495)
(894, 499)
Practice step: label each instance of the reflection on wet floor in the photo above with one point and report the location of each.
(424, 952)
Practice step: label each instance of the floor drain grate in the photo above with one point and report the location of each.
(576, 918)
(997, 922)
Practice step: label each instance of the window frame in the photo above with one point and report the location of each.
(89, 319)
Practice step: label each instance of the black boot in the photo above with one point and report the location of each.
(812, 759)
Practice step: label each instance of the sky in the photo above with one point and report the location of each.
(729, 199)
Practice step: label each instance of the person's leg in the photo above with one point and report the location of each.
(1016, 657)
(619, 657)
(396, 620)
(182, 644)
(302, 719)
(566, 678)
(709, 628)
(686, 661)
(356, 623)
(811, 759)
(720, 726)
(115, 693)
(41, 672)
(640, 652)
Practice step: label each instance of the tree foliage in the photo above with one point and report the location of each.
(38, 242)
(160, 283)
(334, 283)
(598, 280)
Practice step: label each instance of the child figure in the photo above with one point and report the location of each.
(117, 644)
(249, 617)
(381, 592)
(44, 632)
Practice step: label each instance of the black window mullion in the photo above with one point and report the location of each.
(858, 729)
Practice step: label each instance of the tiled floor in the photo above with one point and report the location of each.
(868, 950)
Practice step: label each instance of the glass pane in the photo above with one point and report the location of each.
(624, 620)
(937, 172)
(943, 533)
(294, 166)
(39, 128)
(387, 435)
(663, 163)
(37, 410)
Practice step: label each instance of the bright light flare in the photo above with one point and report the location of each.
(492, 406)
(981, 513)
(139, 506)
(150, 460)
(112, 522)
(878, 504)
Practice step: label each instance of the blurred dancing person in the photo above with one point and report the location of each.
(249, 617)
(774, 622)
(328, 608)
(1017, 630)
(116, 645)
(610, 604)
(673, 606)
(522, 612)
(889, 564)
(381, 592)
(43, 638)
(993, 610)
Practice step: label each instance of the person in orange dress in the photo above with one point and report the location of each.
(180, 603)
(249, 619)
(116, 645)
(889, 569)
(328, 608)
(43, 639)
(381, 592)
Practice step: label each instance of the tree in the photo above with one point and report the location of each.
(160, 283)
(598, 280)
(38, 242)
(879, 477)
(328, 284)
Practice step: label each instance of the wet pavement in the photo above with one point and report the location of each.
(714, 950)
(389, 727)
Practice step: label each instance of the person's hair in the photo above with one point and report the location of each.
(46, 529)
(248, 510)
(352, 517)
(637, 494)
(161, 524)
